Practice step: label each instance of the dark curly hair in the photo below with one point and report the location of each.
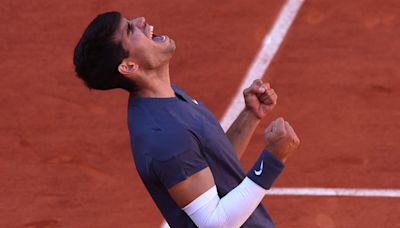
(97, 55)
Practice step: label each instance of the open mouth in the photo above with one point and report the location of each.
(155, 37)
(159, 38)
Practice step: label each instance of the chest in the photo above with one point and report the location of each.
(206, 128)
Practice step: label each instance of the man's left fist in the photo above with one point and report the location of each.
(260, 98)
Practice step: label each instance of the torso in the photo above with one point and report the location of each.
(168, 121)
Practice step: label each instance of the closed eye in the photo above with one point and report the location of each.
(129, 28)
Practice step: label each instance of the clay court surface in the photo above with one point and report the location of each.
(65, 158)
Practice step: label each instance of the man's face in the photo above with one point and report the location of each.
(145, 48)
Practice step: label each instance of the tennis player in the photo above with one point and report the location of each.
(188, 164)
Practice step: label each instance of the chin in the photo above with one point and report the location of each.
(173, 45)
(171, 48)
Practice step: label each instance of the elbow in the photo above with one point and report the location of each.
(218, 219)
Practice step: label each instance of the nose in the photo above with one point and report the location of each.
(139, 22)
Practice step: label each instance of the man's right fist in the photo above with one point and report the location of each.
(280, 138)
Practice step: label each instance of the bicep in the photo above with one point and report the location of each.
(192, 187)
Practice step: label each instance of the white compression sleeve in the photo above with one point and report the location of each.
(208, 210)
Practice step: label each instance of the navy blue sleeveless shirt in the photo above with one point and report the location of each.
(172, 139)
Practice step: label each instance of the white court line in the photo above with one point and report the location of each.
(270, 46)
(268, 50)
(353, 192)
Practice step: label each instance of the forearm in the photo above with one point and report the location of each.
(241, 130)
(208, 210)
(211, 211)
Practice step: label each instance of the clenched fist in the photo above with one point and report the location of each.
(260, 98)
(280, 138)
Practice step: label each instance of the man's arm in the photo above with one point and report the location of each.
(198, 197)
(241, 130)
(259, 99)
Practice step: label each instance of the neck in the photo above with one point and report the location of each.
(155, 83)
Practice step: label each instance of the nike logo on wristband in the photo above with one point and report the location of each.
(258, 172)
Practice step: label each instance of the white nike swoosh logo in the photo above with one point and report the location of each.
(258, 172)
